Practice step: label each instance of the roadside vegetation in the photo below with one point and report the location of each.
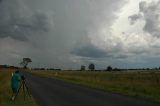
(142, 84)
(6, 92)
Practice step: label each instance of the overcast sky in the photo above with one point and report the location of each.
(69, 33)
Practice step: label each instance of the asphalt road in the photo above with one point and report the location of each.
(50, 92)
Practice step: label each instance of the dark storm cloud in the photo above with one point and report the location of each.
(18, 23)
(69, 37)
(121, 56)
(134, 18)
(149, 12)
(142, 6)
(90, 51)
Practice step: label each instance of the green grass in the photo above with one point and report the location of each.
(142, 84)
(6, 92)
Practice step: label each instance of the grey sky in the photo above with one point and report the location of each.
(69, 33)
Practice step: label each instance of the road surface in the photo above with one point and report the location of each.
(51, 92)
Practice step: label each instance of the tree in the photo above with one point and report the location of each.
(116, 69)
(83, 68)
(91, 67)
(25, 62)
(109, 68)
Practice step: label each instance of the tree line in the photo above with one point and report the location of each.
(91, 67)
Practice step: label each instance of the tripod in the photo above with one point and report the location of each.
(23, 85)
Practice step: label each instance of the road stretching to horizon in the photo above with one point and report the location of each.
(51, 92)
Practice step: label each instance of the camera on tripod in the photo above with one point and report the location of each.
(24, 87)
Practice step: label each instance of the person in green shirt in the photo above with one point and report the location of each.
(15, 82)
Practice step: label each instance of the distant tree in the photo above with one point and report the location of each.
(116, 69)
(147, 68)
(91, 67)
(109, 68)
(25, 62)
(4, 66)
(83, 68)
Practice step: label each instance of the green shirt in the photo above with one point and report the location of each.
(15, 80)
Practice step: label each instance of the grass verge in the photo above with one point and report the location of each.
(6, 92)
(144, 84)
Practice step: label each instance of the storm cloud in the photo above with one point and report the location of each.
(18, 22)
(90, 51)
(69, 33)
(134, 18)
(149, 12)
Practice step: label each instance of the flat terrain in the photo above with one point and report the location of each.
(141, 84)
(51, 92)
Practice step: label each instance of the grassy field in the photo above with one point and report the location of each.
(6, 92)
(142, 84)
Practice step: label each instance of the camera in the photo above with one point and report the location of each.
(22, 77)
